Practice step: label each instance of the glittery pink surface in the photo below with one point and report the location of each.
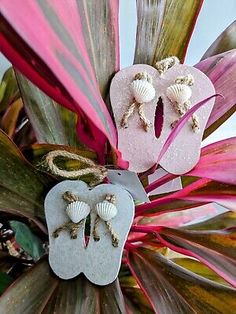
(142, 148)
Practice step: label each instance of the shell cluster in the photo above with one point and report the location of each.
(142, 88)
(179, 93)
(77, 211)
(106, 210)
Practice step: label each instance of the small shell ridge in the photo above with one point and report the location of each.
(179, 93)
(143, 91)
(77, 211)
(106, 210)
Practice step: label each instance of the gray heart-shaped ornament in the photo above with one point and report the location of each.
(99, 260)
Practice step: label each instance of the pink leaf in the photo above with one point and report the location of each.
(45, 41)
(202, 191)
(221, 69)
(217, 162)
(181, 218)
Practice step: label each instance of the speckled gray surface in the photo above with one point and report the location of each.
(99, 261)
(142, 148)
(129, 181)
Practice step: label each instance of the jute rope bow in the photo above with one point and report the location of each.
(143, 92)
(99, 172)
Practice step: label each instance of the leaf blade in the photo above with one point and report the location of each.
(30, 243)
(195, 194)
(169, 286)
(65, 73)
(46, 116)
(214, 248)
(159, 35)
(225, 42)
(100, 25)
(217, 162)
(22, 187)
(80, 296)
(221, 70)
(14, 299)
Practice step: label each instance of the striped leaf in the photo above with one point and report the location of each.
(195, 194)
(80, 296)
(22, 188)
(215, 248)
(51, 123)
(30, 291)
(222, 221)
(199, 269)
(221, 69)
(164, 28)
(217, 162)
(172, 289)
(100, 26)
(55, 57)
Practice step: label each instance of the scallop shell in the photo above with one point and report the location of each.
(77, 211)
(179, 93)
(143, 91)
(106, 210)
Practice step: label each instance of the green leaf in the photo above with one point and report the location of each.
(199, 269)
(172, 289)
(27, 240)
(30, 292)
(164, 29)
(51, 123)
(22, 187)
(81, 296)
(9, 91)
(226, 41)
(5, 281)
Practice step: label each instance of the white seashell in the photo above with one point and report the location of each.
(77, 211)
(106, 210)
(179, 93)
(143, 91)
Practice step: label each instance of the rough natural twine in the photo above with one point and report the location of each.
(99, 172)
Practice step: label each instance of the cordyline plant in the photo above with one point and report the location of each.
(70, 50)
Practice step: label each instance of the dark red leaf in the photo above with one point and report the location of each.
(172, 289)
